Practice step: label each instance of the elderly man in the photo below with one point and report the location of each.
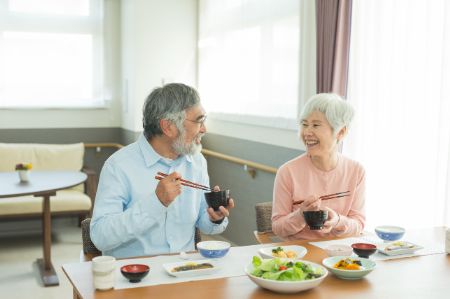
(136, 215)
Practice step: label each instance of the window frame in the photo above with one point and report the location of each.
(62, 24)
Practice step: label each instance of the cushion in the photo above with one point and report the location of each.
(65, 200)
(43, 157)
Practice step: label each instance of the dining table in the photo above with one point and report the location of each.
(418, 276)
(42, 184)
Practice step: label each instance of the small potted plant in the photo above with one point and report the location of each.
(24, 169)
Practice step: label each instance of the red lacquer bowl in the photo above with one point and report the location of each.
(364, 249)
(135, 272)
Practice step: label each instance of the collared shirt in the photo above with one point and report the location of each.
(128, 218)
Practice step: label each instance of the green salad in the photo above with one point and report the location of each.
(284, 270)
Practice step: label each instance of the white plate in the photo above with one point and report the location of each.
(189, 273)
(266, 252)
(398, 248)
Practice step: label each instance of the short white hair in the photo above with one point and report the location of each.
(338, 111)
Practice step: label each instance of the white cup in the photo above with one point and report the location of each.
(447, 240)
(24, 175)
(103, 272)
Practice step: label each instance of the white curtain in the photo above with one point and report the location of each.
(399, 83)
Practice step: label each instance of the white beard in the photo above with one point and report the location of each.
(182, 148)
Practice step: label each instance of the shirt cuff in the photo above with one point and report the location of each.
(218, 221)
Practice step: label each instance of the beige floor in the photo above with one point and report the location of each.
(19, 276)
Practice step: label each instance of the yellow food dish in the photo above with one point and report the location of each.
(348, 264)
(279, 252)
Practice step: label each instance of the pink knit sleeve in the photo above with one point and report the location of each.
(285, 220)
(353, 223)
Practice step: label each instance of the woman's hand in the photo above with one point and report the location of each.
(222, 212)
(312, 203)
(331, 222)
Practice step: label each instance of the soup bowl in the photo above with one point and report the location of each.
(134, 272)
(213, 249)
(315, 219)
(215, 199)
(364, 250)
(389, 232)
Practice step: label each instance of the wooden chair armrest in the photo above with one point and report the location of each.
(264, 237)
(90, 185)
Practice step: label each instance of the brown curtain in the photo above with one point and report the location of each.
(333, 23)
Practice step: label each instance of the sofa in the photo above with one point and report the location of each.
(77, 200)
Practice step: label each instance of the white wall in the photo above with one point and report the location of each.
(159, 40)
(80, 118)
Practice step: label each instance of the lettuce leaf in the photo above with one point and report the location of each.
(270, 269)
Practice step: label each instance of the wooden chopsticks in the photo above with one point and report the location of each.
(327, 197)
(186, 183)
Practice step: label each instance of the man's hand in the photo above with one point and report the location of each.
(222, 212)
(168, 188)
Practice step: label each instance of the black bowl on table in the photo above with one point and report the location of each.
(135, 272)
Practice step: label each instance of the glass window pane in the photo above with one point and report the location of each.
(46, 67)
(253, 49)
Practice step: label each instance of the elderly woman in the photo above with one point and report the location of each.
(322, 170)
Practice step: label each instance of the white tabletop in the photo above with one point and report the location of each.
(40, 181)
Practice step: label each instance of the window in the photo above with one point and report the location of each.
(249, 60)
(398, 83)
(51, 53)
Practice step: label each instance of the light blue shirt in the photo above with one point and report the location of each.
(129, 220)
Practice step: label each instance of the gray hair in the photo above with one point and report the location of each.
(338, 111)
(167, 102)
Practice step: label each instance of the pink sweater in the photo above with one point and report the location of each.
(299, 178)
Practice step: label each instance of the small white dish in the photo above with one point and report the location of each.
(300, 251)
(366, 267)
(399, 248)
(339, 250)
(169, 267)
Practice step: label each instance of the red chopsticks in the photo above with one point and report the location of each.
(327, 197)
(186, 183)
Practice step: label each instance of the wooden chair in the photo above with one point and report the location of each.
(263, 232)
(90, 251)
